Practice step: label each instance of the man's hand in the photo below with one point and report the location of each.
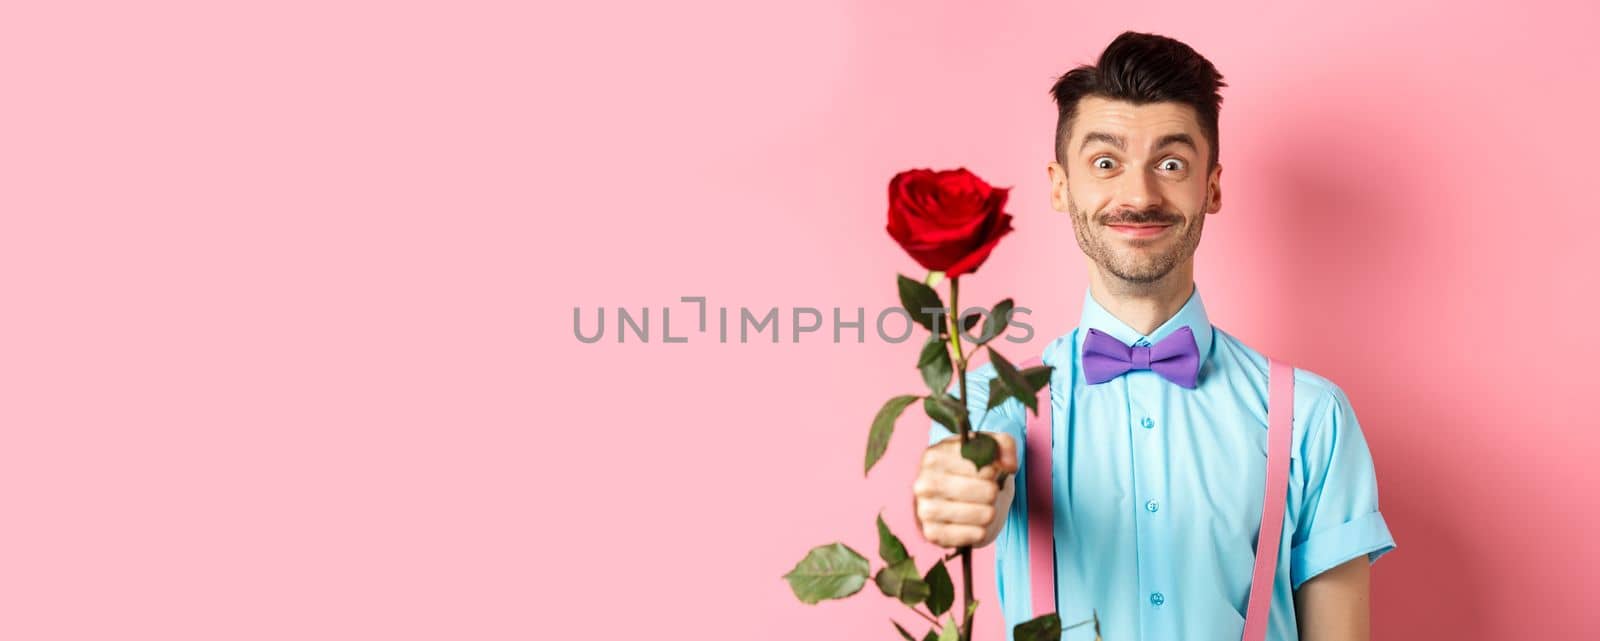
(958, 504)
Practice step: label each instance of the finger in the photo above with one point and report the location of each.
(992, 471)
(951, 487)
(949, 535)
(947, 460)
(945, 456)
(1008, 451)
(942, 511)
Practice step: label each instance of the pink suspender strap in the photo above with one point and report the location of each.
(1037, 472)
(1280, 419)
(1036, 469)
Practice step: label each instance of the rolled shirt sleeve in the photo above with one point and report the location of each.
(1339, 518)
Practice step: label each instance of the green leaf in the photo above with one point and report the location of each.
(941, 592)
(914, 591)
(968, 322)
(915, 297)
(932, 635)
(998, 392)
(890, 549)
(949, 633)
(1017, 385)
(900, 580)
(995, 325)
(892, 577)
(888, 581)
(883, 428)
(946, 410)
(935, 365)
(1037, 376)
(980, 448)
(832, 571)
(903, 632)
(972, 607)
(1043, 628)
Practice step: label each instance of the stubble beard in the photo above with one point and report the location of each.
(1134, 267)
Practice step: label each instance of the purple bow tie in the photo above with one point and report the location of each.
(1176, 357)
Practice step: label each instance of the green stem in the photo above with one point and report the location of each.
(953, 321)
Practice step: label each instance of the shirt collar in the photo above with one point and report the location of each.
(1191, 315)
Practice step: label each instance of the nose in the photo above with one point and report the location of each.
(1138, 191)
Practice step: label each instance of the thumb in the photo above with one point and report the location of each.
(1007, 460)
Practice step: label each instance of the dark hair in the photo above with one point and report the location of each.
(1142, 68)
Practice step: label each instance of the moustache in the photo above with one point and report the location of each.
(1147, 217)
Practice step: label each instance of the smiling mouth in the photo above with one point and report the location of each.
(1139, 231)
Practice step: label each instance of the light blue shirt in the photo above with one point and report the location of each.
(1158, 488)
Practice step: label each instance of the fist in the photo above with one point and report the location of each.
(955, 502)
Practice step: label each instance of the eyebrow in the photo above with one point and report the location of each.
(1121, 144)
(1177, 139)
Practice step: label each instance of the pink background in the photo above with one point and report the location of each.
(288, 288)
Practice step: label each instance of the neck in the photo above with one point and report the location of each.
(1143, 306)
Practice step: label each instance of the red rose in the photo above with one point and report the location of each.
(948, 221)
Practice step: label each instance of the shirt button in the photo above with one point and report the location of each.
(1152, 505)
(1156, 599)
(1147, 422)
(1141, 343)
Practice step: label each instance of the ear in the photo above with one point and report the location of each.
(1214, 189)
(1058, 185)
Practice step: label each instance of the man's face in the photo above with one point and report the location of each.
(1137, 186)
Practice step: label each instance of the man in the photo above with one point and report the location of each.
(1161, 495)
